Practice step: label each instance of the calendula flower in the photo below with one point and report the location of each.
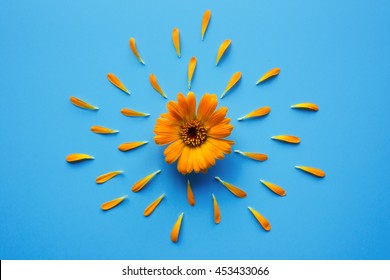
(196, 137)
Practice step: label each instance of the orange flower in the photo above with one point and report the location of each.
(195, 138)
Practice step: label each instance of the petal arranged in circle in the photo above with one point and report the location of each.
(262, 221)
(152, 206)
(305, 106)
(176, 40)
(78, 157)
(312, 170)
(103, 130)
(156, 86)
(287, 138)
(276, 189)
(233, 80)
(176, 228)
(112, 203)
(124, 147)
(190, 194)
(191, 70)
(142, 183)
(222, 49)
(132, 113)
(107, 176)
(173, 151)
(133, 48)
(82, 104)
(217, 212)
(271, 73)
(207, 105)
(116, 82)
(260, 112)
(205, 22)
(233, 189)
(254, 156)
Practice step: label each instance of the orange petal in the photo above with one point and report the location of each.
(116, 82)
(82, 104)
(269, 74)
(263, 221)
(152, 206)
(287, 138)
(205, 22)
(155, 85)
(176, 228)
(257, 113)
(173, 151)
(225, 44)
(133, 48)
(234, 190)
(191, 69)
(105, 177)
(233, 80)
(141, 183)
(176, 40)
(130, 145)
(112, 203)
(78, 157)
(217, 213)
(305, 106)
(132, 113)
(103, 130)
(254, 156)
(276, 189)
(312, 170)
(190, 194)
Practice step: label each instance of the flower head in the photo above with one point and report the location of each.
(195, 137)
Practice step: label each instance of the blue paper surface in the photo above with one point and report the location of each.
(332, 53)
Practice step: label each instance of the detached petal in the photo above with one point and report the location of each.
(257, 113)
(112, 203)
(78, 157)
(312, 170)
(305, 106)
(105, 177)
(141, 183)
(116, 82)
(269, 74)
(263, 221)
(205, 22)
(191, 70)
(276, 189)
(131, 145)
(225, 44)
(254, 156)
(82, 104)
(152, 206)
(176, 228)
(133, 48)
(102, 130)
(233, 80)
(132, 113)
(155, 85)
(287, 138)
(234, 190)
(176, 40)
(190, 194)
(217, 212)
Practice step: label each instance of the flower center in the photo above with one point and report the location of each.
(193, 133)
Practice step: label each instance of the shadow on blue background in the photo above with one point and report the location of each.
(331, 53)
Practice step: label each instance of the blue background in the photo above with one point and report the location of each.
(332, 53)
